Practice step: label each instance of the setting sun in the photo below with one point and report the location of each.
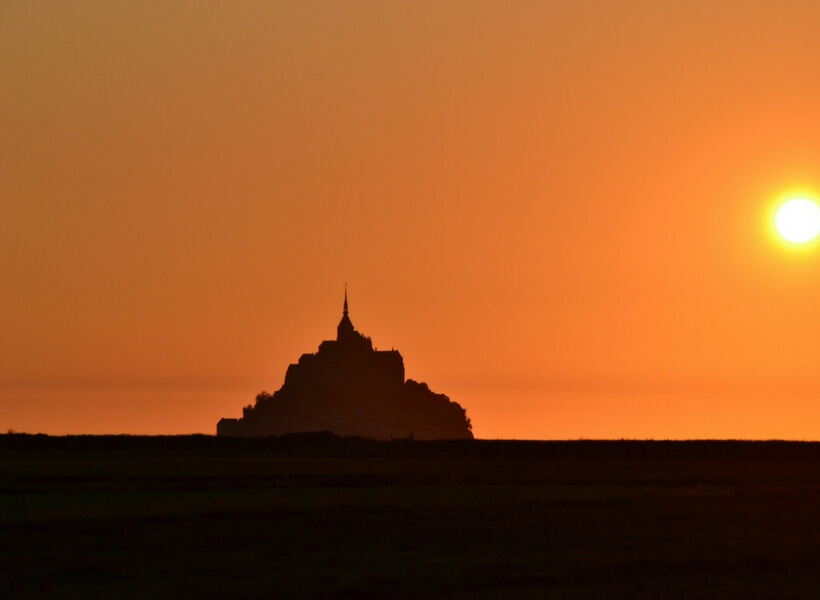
(798, 220)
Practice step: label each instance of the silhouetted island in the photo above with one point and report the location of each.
(349, 388)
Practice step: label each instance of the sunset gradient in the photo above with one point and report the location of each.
(559, 212)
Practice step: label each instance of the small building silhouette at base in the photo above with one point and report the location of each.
(350, 388)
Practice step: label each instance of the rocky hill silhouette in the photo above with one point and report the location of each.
(349, 388)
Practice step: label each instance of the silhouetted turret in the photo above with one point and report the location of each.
(345, 330)
(349, 388)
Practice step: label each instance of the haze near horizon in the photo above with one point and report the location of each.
(559, 212)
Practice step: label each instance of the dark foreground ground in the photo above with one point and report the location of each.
(322, 517)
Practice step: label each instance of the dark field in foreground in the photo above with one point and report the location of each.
(319, 516)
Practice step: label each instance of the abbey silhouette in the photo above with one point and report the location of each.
(350, 388)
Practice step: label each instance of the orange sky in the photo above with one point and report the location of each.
(557, 211)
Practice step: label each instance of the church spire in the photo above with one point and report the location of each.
(345, 330)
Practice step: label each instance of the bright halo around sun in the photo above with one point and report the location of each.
(798, 220)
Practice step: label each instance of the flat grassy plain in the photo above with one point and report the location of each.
(317, 516)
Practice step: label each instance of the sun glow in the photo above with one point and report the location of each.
(798, 220)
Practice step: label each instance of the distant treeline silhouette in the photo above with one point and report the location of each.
(325, 444)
